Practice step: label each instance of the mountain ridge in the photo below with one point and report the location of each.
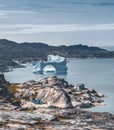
(28, 52)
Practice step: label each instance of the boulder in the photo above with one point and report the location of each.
(80, 86)
(55, 97)
(100, 95)
(86, 104)
(54, 80)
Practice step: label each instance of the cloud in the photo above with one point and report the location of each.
(92, 3)
(34, 29)
(6, 14)
(71, 2)
(105, 4)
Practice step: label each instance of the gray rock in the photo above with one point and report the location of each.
(56, 92)
(80, 86)
(85, 104)
(55, 97)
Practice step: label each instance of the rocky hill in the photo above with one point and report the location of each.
(55, 92)
(59, 95)
(24, 52)
(7, 64)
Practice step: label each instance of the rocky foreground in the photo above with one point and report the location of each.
(50, 104)
(55, 92)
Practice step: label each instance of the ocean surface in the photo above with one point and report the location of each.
(97, 74)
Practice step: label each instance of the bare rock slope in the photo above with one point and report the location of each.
(56, 92)
(43, 106)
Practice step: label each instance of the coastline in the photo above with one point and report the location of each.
(46, 116)
(82, 72)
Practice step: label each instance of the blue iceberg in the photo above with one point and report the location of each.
(54, 64)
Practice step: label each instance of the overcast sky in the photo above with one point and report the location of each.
(58, 22)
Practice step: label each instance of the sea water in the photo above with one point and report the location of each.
(96, 74)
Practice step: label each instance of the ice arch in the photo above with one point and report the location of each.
(58, 62)
(49, 68)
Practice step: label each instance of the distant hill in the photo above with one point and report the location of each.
(25, 52)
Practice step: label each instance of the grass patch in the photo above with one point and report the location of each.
(12, 89)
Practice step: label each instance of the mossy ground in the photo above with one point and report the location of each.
(12, 89)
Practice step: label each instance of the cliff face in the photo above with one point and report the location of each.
(3, 87)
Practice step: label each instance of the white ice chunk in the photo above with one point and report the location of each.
(55, 58)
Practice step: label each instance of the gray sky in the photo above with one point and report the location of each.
(58, 22)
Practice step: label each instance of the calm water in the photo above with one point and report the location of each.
(94, 73)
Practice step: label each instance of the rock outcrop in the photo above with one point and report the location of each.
(3, 86)
(56, 92)
(55, 119)
(42, 99)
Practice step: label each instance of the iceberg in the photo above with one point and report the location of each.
(55, 58)
(54, 64)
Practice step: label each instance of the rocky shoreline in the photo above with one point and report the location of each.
(50, 104)
(55, 92)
